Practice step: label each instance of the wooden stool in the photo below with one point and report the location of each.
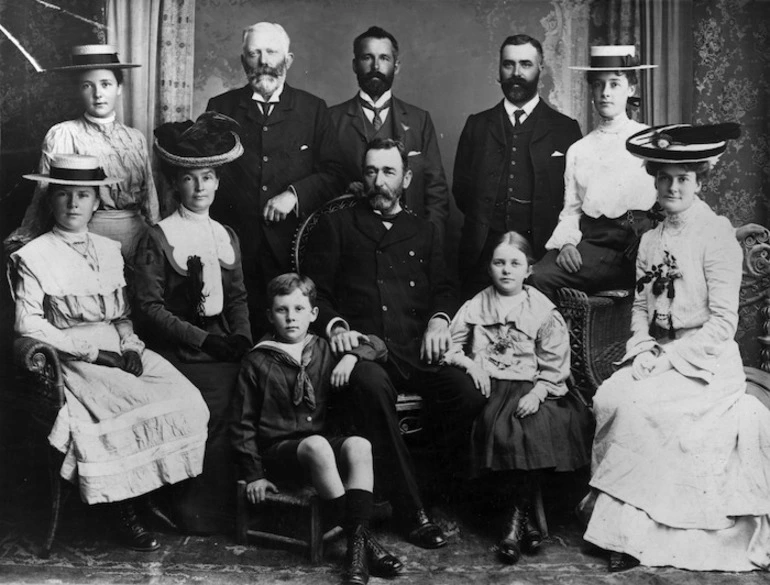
(303, 498)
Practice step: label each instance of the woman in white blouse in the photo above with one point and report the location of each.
(131, 423)
(607, 191)
(681, 454)
(126, 206)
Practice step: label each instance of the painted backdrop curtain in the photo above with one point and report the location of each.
(159, 34)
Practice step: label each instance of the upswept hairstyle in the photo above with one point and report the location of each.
(701, 169)
(375, 32)
(285, 284)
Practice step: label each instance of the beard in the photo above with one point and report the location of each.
(383, 199)
(265, 79)
(519, 90)
(374, 83)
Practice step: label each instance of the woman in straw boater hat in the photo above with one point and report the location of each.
(681, 454)
(606, 189)
(191, 300)
(131, 423)
(127, 205)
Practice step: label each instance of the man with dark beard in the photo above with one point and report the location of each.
(379, 270)
(375, 113)
(289, 167)
(509, 168)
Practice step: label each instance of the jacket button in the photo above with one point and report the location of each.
(411, 283)
(384, 307)
(264, 128)
(265, 158)
(411, 252)
(264, 187)
(308, 419)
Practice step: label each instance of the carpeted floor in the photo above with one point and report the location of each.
(86, 552)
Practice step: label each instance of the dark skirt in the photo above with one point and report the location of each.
(557, 437)
(206, 504)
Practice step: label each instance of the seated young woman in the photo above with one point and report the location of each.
(131, 423)
(191, 302)
(681, 454)
(606, 191)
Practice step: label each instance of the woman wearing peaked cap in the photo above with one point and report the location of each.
(131, 423)
(607, 192)
(126, 206)
(681, 454)
(191, 300)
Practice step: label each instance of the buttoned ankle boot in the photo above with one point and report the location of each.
(131, 531)
(509, 548)
(357, 514)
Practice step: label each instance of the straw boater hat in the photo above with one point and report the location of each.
(683, 143)
(95, 57)
(210, 141)
(75, 169)
(613, 58)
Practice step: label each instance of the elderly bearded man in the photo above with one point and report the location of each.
(379, 270)
(289, 166)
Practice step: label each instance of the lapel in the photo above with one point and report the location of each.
(401, 122)
(355, 116)
(542, 121)
(283, 108)
(369, 224)
(247, 107)
(496, 121)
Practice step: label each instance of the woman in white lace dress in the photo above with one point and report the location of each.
(681, 454)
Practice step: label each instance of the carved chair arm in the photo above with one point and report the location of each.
(39, 363)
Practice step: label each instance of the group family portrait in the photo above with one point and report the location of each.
(416, 291)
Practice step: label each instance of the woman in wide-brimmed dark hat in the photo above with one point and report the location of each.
(131, 423)
(191, 300)
(606, 192)
(681, 455)
(127, 206)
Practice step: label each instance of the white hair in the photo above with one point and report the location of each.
(263, 27)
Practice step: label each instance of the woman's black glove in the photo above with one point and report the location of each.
(239, 345)
(132, 363)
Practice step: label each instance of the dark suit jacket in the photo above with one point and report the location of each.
(479, 169)
(294, 146)
(428, 194)
(383, 282)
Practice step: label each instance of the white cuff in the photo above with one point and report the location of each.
(333, 323)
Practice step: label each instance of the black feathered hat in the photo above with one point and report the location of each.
(212, 140)
(683, 143)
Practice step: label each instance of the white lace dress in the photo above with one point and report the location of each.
(681, 460)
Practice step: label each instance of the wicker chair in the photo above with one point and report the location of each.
(599, 324)
(408, 406)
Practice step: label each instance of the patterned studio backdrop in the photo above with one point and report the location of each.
(449, 53)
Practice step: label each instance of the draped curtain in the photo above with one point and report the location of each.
(160, 35)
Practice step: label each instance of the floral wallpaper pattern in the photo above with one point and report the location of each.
(732, 83)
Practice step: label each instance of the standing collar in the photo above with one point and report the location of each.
(102, 121)
(528, 107)
(383, 98)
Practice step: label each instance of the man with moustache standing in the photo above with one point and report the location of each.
(379, 270)
(289, 167)
(376, 113)
(509, 168)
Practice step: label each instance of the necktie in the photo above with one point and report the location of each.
(377, 120)
(517, 114)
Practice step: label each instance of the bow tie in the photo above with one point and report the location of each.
(377, 120)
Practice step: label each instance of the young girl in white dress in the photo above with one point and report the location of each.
(514, 344)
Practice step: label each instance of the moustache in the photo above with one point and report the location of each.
(264, 70)
(375, 75)
(512, 82)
